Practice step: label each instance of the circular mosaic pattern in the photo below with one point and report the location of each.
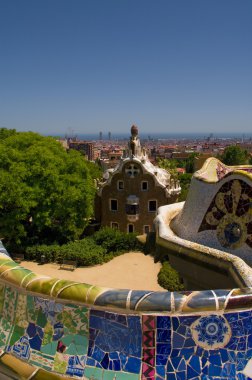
(211, 332)
(231, 231)
(230, 214)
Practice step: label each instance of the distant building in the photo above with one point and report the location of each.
(131, 193)
(85, 147)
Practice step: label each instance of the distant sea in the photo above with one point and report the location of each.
(162, 136)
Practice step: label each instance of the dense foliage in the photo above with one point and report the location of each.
(46, 193)
(168, 278)
(185, 181)
(101, 247)
(114, 240)
(94, 169)
(190, 162)
(170, 165)
(234, 155)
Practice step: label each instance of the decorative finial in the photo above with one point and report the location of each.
(134, 131)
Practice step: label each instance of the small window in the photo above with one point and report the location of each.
(113, 205)
(114, 225)
(146, 229)
(144, 185)
(152, 206)
(130, 228)
(120, 185)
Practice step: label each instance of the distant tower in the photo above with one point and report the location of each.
(100, 135)
(109, 136)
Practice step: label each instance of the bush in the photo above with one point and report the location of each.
(168, 278)
(84, 251)
(102, 247)
(49, 251)
(116, 241)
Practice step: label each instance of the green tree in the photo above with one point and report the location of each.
(234, 155)
(4, 133)
(46, 194)
(170, 165)
(185, 181)
(190, 162)
(94, 169)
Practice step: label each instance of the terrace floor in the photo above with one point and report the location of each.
(131, 270)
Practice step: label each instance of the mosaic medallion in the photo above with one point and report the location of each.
(211, 332)
(230, 214)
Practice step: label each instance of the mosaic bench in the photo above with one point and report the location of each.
(51, 328)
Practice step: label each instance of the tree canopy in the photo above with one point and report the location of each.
(234, 155)
(46, 193)
(170, 165)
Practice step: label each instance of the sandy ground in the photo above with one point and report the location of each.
(131, 270)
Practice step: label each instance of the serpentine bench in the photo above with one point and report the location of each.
(51, 328)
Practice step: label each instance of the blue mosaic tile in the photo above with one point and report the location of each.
(160, 370)
(136, 295)
(187, 352)
(110, 344)
(158, 301)
(191, 373)
(172, 376)
(194, 362)
(240, 376)
(164, 322)
(161, 360)
(116, 297)
(163, 335)
(202, 301)
(175, 363)
(215, 359)
(163, 349)
(133, 365)
(229, 370)
(181, 376)
(105, 361)
(215, 370)
(117, 341)
(76, 366)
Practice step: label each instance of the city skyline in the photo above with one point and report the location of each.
(169, 67)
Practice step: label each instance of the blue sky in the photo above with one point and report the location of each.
(101, 65)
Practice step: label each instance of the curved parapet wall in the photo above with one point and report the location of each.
(51, 328)
(218, 209)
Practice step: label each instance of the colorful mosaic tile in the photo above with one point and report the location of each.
(191, 335)
(114, 342)
(211, 332)
(230, 214)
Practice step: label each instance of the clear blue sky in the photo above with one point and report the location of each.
(165, 65)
